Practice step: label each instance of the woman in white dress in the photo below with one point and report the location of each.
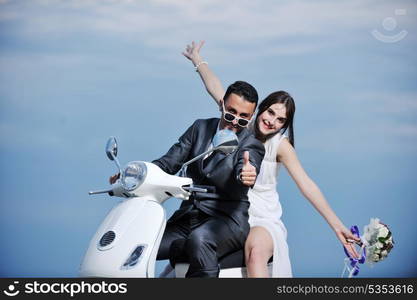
(268, 235)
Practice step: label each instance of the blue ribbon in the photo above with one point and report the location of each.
(355, 261)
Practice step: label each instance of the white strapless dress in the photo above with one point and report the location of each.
(265, 209)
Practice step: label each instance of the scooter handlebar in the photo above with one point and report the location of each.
(202, 192)
(100, 192)
(115, 190)
(200, 188)
(195, 189)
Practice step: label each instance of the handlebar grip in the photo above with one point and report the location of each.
(209, 188)
(195, 189)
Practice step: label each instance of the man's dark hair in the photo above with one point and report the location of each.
(242, 89)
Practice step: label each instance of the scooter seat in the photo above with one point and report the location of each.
(234, 259)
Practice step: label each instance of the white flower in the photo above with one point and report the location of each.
(383, 232)
(379, 226)
(375, 223)
(375, 257)
(372, 233)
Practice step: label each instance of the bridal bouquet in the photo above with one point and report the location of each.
(376, 243)
(378, 239)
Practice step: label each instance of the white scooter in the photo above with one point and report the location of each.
(127, 242)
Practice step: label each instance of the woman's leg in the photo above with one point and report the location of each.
(259, 248)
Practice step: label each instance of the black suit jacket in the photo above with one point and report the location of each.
(222, 171)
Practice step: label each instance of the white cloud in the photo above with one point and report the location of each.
(166, 24)
(259, 28)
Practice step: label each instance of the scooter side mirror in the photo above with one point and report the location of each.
(111, 148)
(111, 151)
(225, 141)
(226, 149)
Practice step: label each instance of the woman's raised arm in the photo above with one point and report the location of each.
(287, 155)
(211, 81)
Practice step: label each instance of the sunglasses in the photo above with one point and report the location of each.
(228, 117)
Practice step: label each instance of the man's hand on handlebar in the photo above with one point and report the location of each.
(114, 178)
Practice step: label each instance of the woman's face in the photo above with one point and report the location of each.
(272, 119)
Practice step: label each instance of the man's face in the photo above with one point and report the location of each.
(239, 107)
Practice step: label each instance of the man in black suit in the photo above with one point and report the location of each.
(207, 229)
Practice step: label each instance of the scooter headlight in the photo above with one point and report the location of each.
(133, 175)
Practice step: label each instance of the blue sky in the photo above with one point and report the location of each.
(73, 73)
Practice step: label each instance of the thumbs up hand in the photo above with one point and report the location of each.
(248, 173)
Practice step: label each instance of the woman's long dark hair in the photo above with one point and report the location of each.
(281, 97)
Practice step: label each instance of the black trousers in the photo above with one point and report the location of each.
(204, 239)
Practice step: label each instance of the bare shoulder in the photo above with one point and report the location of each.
(285, 150)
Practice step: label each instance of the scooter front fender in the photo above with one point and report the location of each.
(127, 241)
